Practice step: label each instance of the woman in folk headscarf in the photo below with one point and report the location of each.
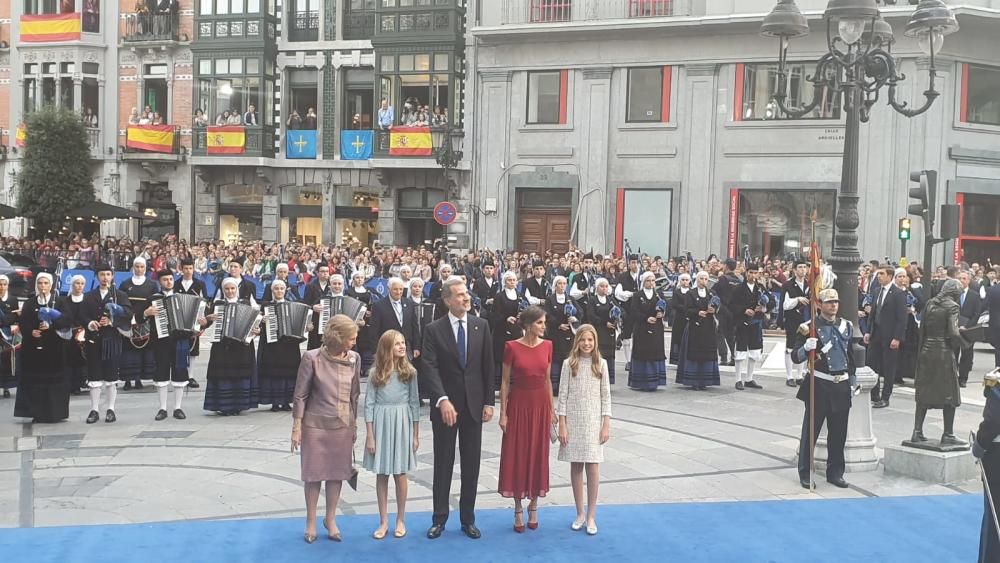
(75, 361)
(44, 392)
(364, 346)
(231, 364)
(8, 324)
(649, 369)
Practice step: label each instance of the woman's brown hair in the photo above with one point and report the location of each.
(530, 316)
(595, 354)
(386, 362)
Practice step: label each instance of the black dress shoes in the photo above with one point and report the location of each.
(160, 415)
(138, 385)
(93, 417)
(472, 531)
(790, 383)
(179, 414)
(739, 385)
(435, 531)
(192, 384)
(837, 482)
(962, 384)
(6, 393)
(110, 417)
(880, 404)
(127, 386)
(753, 385)
(804, 481)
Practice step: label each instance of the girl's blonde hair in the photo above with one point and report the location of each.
(595, 354)
(386, 362)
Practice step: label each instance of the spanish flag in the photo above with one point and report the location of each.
(152, 138)
(50, 28)
(226, 139)
(410, 141)
(21, 136)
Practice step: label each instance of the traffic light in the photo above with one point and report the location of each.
(924, 194)
(904, 229)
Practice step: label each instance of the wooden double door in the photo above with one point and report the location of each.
(541, 230)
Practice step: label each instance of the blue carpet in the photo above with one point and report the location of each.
(911, 529)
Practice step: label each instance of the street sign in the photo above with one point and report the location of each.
(445, 213)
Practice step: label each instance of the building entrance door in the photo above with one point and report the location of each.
(539, 230)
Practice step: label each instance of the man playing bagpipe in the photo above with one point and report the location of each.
(108, 313)
(747, 306)
(796, 311)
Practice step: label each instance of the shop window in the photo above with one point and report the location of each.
(777, 223)
(547, 97)
(980, 95)
(757, 83)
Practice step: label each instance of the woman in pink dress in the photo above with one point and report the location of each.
(526, 415)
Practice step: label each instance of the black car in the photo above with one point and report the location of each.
(21, 270)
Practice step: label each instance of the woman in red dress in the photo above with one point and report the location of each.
(526, 415)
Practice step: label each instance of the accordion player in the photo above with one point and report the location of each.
(340, 305)
(232, 361)
(177, 314)
(236, 322)
(286, 320)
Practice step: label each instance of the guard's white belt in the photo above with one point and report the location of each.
(833, 378)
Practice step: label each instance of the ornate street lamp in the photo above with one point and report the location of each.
(858, 65)
(445, 154)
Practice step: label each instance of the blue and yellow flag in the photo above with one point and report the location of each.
(355, 145)
(300, 143)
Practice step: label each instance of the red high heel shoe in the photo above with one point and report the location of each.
(532, 525)
(518, 529)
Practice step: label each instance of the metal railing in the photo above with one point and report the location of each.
(151, 27)
(382, 140)
(303, 26)
(557, 11)
(94, 140)
(258, 141)
(359, 25)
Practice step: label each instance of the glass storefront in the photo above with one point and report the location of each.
(979, 240)
(241, 212)
(302, 214)
(779, 223)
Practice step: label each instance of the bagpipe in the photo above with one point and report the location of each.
(569, 309)
(714, 303)
(616, 316)
(763, 303)
(477, 304)
(523, 305)
(661, 305)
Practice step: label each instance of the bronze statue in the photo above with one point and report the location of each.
(937, 369)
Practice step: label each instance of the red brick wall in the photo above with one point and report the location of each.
(5, 117)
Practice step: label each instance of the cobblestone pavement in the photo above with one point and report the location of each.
(674, 445)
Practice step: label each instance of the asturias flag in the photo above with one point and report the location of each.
(226, 139)
(153, 138)
(44, 28)
(356, 145)
(300, 143)
(410, 141)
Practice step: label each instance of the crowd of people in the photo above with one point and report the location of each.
(539, 332)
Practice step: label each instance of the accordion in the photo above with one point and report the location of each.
(178, 314)
(340, 305)
(235, 322)
(286, 321)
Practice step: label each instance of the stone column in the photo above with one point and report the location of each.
(327, 110)
(205, 208)
(594, 113)
(78, 94)
(320, 130)
(329, 212)
(697, 202)
(271, 214)
(859, 452)
(494, 109)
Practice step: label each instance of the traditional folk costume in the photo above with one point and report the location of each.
(192, 287)
(313, 294)
(232, 367)
(507, 304)
(43, 393)
(364, 344)
(104, 344)
(749, 331)
(138, 360)
(562, 340)
(278, 364)
(649, 368)
(9, 355)
(698, 364)
(625, 290)
(678, 304)
(76, 361)
(601, 314)
(794, 313)
(172, 361)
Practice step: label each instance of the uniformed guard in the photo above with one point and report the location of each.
(986, 448)
(833, 376)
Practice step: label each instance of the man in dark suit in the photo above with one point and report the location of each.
(314, 292)
(970, 307)
(458, 376)
(992, 306)
(395, 313)
(888, 332)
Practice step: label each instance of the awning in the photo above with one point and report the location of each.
(7, 212)
(101, 210)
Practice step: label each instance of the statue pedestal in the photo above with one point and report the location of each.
(859, 451)
(929, 465)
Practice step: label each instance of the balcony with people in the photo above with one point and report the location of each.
(153, 22)
(233, 114)
(516, 12)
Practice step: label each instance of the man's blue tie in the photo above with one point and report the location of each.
(962, 300)
(461, 344)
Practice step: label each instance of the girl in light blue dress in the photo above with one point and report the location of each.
(392, 417)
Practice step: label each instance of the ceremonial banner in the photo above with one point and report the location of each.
(43, 28)
(356, 145)
(410, 141)
(153, 138)
(300, 143)
(226, 139)
(21, 136)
